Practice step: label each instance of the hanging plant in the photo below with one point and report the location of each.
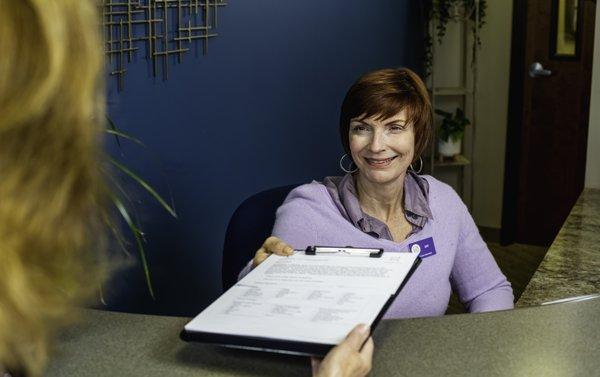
(444, 11)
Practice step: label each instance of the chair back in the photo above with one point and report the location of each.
(249, 226)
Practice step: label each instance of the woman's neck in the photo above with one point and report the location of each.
(383, 201)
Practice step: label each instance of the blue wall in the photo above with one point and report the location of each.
(259, 110)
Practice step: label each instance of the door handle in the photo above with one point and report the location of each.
(537, 70)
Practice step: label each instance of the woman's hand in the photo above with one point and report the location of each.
(272, 245)
(347, 359)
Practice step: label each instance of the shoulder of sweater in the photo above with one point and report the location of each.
(440, 192)
(311, 194)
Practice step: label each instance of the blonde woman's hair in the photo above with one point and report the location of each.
(51, 186)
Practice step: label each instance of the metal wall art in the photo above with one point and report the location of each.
(166, 29)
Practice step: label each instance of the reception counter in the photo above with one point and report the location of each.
(571, 266)
(552, 340)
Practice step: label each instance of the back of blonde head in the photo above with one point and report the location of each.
(51, 188)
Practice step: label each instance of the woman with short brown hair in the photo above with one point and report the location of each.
(382, 202)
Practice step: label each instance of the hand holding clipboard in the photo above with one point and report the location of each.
(304, 303)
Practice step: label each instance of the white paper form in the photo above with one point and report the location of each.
(306, 298)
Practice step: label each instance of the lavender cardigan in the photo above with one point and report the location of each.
(463, 263)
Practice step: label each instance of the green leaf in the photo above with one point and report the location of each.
(101, 291)
(130, 201)
(138, 240)
(113, 127)
(457, 136)
(125, 136)
(145, 185)
(118, 237)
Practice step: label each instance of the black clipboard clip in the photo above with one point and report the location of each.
(360, 251)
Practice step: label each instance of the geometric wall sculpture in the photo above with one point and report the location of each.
(163, 29)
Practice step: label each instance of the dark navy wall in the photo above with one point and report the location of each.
(259, 110)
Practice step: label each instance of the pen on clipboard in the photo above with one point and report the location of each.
(349, 250)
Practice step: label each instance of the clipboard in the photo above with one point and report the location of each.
(270, 344)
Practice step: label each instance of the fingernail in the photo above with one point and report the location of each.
(363, 329)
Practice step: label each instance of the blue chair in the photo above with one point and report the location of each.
(249, 226)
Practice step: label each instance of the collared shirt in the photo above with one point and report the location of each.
(416, 204)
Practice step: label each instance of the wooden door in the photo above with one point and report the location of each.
(548, 116)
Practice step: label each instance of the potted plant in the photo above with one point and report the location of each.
(123, 204)
(451, 132)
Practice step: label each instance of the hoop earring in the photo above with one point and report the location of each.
(351, 163)
(420, 166)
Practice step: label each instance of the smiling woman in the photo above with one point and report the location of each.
(391, 97)
(385, 125)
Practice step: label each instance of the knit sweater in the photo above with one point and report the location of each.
(462, 262)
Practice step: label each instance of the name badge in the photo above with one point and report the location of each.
(425, 247)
